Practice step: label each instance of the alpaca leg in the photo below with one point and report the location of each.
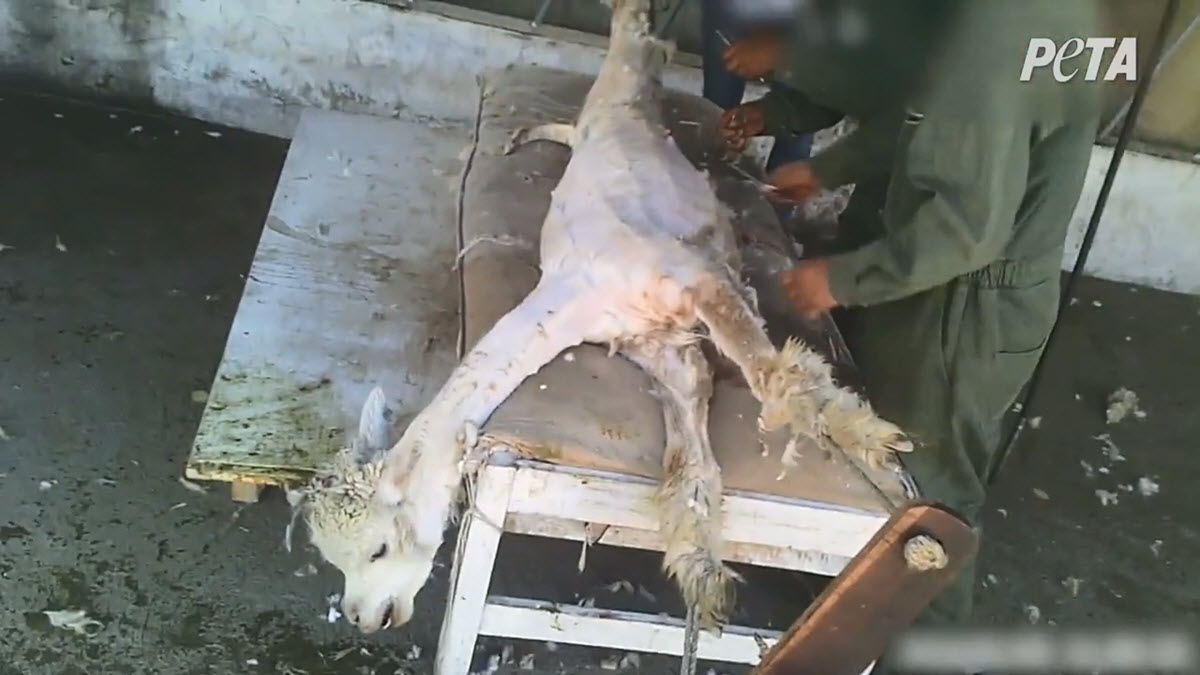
(559, 313)
(689, 497)
(795, 384)
(563, 134)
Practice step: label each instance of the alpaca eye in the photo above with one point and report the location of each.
(382, 551)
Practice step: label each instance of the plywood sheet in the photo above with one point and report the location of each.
(351, 286)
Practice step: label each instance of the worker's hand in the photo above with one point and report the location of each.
(741, 123)
(807, 287)
(794, 183)
(754, 56)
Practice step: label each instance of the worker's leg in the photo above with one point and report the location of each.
(945, 365)
(720, 86)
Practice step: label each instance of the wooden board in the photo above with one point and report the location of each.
(351, 286)
(849, 625)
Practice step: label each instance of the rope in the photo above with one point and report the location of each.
(691, 642)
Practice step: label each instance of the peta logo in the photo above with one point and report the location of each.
(1043, 52)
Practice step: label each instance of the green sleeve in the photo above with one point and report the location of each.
(789, 111)
(866, 151)
(961, 180)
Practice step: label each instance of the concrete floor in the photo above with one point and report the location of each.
(130, 234)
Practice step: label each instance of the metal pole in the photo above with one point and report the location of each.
(1135, 107)
(662, 30)
(541, 14)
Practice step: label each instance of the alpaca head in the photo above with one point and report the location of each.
(384, 549)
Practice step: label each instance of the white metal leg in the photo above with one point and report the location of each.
(473, 571)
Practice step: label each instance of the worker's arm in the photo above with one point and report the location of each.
(966, 176)
(866, 151)
(790, 111)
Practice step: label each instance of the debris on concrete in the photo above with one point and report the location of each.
(1089, 471)
(1003, 512)
(611, 663)
(1156, 547)
(414, 653)
(135, 129)
(178, 506)
(1040, 493)
(1125, 487)
(47, 484)
(58, 244)
(1110, 450)
(1072, 584)
(5, 247)
(213, 134)
(75, 620)
(1097, 303)
(1032, 613)
(551, 647)
(306, 571)
(333, 613)
(105, 481)
(1107, 497)
(526, 662)
(506, 655)
(631, 660)
(4, 435)
(569, 357)
(252, 662)
(199, 396)
(1122, 403)
(1147, 486)
(194, 487)
(587, 602)
(1035, 422)
(991, 579)
(1104, 470)
(618, 586)
(493, 664)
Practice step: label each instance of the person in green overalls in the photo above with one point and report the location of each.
(945, 273)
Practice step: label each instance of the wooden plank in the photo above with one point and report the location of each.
(788, 558)
(472, 574)
(878, 595)
(351, 286)
(635, 631)
(800, 525)
(245, 492)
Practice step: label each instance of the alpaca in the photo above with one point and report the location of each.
(637, 253)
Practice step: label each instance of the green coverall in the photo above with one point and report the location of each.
(951, 246)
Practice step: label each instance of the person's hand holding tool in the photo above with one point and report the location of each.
(741, 123)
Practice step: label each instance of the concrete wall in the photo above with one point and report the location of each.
(255, 64)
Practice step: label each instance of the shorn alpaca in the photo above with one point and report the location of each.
(637, 253)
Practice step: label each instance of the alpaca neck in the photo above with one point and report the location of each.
(556, 315)
(633, 64)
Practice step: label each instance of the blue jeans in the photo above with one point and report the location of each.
(726, 89)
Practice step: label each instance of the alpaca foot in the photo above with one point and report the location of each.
(797, 391)
(706, 584)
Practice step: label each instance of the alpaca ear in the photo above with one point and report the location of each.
(374, 428)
